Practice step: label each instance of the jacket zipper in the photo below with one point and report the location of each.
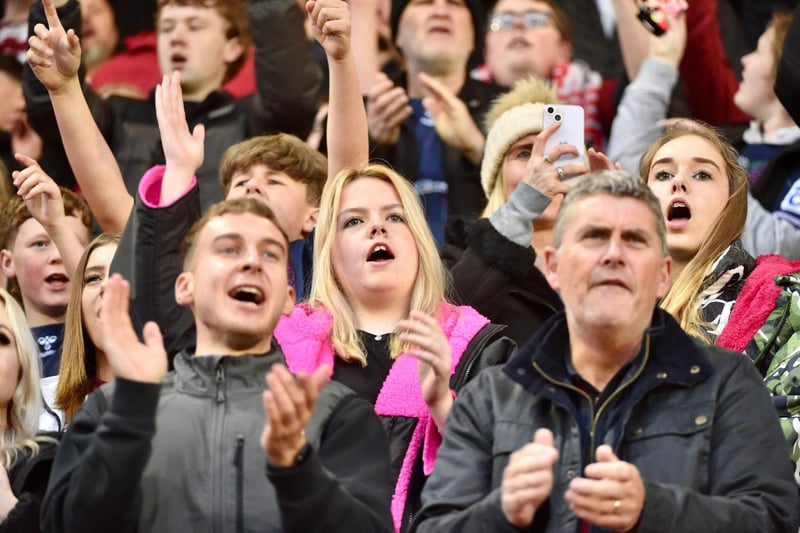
(596, 416)
(473, 357)
(220, 375)
(238, 461)
(218, 463)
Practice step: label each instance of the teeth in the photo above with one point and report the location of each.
(250, 290)
(678, 204)
(380, 248)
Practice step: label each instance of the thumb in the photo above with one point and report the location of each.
(544, 437)
(320, 377)
(605, 454)
(152, 337)
(199, 133)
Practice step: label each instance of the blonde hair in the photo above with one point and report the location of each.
(25, 406)
(429, 289)
(531, 90)
(78, 368)
(682, 300)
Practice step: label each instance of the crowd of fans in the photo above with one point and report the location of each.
(327, 265)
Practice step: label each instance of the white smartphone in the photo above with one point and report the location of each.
(571, 131)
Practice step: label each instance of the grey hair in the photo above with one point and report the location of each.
(616, 183)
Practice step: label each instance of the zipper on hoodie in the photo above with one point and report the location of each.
(220, 375)
(238, 462)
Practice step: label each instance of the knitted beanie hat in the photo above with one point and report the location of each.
(511, 126)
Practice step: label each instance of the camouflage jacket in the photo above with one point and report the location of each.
(775, 350)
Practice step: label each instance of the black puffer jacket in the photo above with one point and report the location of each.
(498, 278)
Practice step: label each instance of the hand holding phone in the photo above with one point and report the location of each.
(655, 18)
(570, 131)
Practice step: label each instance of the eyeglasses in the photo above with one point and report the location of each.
(530, 19)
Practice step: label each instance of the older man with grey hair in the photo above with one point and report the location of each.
(611, 417)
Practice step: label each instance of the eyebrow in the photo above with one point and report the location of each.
(359, 210)
(238, 237)
(96, 268)
(665, 160)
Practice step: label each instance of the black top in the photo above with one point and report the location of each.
(366, 381)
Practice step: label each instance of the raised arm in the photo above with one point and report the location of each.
(632, 36)
(347, 134)
(44, 201)
(287, 75)
(183, 150)
(94, 482)
(167, 205)
(646, 99)
(54, 56)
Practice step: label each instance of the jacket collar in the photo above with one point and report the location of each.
(671, 355)
(200, 376)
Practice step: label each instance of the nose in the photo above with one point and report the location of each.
(679, 184)
(252, 188)
(440, 7)
(377, 228)
(178, 32)
(251, 259)
(613, 251)
(55, 256)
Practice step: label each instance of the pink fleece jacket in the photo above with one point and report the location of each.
(304, 338)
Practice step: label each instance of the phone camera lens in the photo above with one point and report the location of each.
(558, 118)
(550, 110)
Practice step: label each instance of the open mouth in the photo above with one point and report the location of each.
(56, 279)
(379, 252)
(678, 210)
(177, 60)
(247, 294)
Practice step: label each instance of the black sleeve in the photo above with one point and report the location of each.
(498, 278)
(347, 483)
(459, 495)
(94, 483)
(24, 516)
(787, 81)
(287, 76)
(149, 257)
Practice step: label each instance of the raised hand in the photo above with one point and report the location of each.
(387, 109)
(543, 172)
(54, 54)
(129, 358)
(611, 495)
(289, 404)
(528, 479)
(183, 150)
(40, 193)
(669, 47)
(330, 24)
(452, 120)
(430, 347)
(600, 161)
